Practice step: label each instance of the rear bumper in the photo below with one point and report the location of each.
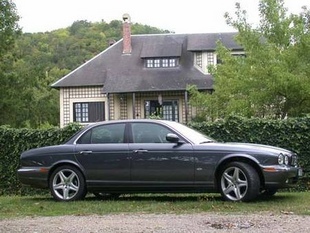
(281, 176)
(36, 177)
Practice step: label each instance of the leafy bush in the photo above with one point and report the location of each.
(15, 141)
(292, 134)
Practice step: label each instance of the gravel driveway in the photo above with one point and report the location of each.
(202, 222)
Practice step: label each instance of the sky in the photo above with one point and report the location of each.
(193, 16)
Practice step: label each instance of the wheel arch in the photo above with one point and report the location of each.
(63, 163)
(238, 158)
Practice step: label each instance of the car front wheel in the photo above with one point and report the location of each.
(239, 182)
(67, 184)
(269, 192)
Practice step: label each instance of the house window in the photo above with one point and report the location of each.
(149, 63)
(165, 62)
(172, 62)
(88, 112)
(156, 63)
(210, 58)
(169, 110)
(199, 59)
(161, 62)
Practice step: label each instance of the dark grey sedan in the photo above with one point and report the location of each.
(132, 156)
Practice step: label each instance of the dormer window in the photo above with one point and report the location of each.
(161, 62)
(199, 59)
(203, 60)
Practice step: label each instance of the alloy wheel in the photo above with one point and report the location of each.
(66, 184)
(234, 183)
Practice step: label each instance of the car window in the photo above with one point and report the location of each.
(113, 133)
(149, 133)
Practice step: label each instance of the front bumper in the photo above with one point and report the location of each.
(36, 177)
(281, 176)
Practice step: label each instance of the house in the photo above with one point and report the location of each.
(141, 76)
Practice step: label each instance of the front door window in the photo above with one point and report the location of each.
(169, 110)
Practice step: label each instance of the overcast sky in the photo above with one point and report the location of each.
(193, 16)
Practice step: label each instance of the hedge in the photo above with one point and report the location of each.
(292, 134)
(14, 141)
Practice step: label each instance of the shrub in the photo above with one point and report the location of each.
(14, 141)
(292, 134)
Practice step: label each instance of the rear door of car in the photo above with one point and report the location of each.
(103, 153)
(157, 162)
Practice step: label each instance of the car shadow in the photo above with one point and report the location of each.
(160, 197)
(172, 198)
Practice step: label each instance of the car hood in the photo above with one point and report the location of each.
(248, 147)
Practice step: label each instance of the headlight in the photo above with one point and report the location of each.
(286, 159)
(283, 159)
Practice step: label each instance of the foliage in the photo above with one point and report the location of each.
(8, 25)
(9, 32)
(40, 59)
(272, 79)
(292, 134)
(19, 140)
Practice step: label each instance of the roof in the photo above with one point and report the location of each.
(207, 41)
(121, 73)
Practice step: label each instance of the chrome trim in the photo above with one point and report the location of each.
(29, 169)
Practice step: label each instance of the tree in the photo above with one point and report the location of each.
(9, 85)
(272, 79)
(8, 25)
(37, 60)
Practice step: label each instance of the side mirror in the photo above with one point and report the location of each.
(172, 138)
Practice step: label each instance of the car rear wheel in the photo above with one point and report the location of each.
(67, 184)
(239, 182)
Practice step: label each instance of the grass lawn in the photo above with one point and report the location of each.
(282, 202)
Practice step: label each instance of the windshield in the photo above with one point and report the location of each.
(193, 135)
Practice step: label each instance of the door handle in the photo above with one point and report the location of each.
(85, 152)
(140, 151)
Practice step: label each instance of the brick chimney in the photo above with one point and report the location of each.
(126, 34)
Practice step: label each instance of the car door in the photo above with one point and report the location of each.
(155, 161)
(103, 153)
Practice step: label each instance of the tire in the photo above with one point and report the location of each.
(106, 196)
(239, 182)
(269, 192)
(67, 184)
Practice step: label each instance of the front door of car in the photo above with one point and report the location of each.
(155, 161)
(103, 153)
